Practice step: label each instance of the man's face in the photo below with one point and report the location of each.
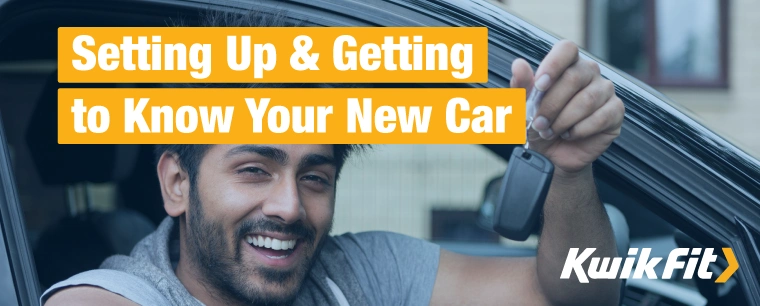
(258, 215)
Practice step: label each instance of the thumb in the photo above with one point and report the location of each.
(522, 75)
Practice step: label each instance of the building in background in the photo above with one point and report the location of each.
(701, 54)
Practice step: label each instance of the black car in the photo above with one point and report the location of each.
(677, 183)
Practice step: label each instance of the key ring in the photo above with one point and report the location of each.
(533, 102)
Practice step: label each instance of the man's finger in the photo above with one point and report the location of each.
(607, 119)
(570, 83)
(522, 75)
(583, 104)
(562, 55)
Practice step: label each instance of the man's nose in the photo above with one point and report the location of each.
(284, 204)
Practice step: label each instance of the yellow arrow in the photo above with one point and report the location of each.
(733, 265)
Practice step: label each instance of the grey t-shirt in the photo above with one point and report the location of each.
(370, 268)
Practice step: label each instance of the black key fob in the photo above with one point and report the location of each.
(522, 194)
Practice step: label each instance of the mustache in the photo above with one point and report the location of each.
(298, 229)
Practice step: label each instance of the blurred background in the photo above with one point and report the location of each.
(702, 54)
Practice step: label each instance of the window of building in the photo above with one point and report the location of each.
(661, 42)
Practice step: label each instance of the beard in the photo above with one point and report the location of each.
(224, 271)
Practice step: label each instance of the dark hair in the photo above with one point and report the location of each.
(190, 156)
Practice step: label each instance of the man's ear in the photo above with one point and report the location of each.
(175, 184)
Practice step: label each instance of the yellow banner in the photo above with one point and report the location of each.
(273, 55)
(291, 116)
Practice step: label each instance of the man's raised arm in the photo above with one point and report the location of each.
(578, 119)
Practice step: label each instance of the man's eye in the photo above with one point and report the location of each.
(317, 179)
(253, 170)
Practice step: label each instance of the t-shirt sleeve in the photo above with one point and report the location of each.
(392, 269)
(127, 285)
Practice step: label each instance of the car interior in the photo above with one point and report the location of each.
(83, 203)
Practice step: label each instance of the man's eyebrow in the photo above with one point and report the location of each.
(279, 156)
(313, 159)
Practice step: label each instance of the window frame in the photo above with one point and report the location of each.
(653, 77)
(13, 232)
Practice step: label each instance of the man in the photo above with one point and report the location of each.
(249, 224)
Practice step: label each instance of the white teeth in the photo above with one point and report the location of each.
(276, 244)
(270, 243)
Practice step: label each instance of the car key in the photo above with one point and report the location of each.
(524, 186)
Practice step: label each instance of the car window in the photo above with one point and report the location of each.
(18, 283)
(20, 88)
(21, 84)
(7, 289)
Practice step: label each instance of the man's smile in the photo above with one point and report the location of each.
(277, 251)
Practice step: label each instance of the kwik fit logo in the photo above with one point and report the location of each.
(600, 267)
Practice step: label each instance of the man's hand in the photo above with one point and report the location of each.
(579, 116)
